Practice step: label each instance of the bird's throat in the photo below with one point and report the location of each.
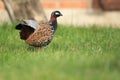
(53, 20)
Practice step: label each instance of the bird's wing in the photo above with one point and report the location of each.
(32, 23)
(41, 37)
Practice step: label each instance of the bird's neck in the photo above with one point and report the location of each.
(53, 22)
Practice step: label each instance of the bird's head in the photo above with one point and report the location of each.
(56, 14)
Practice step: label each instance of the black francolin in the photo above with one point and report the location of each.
(38, 34)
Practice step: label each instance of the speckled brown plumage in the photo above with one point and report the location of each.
(38, 34)
(41, 36)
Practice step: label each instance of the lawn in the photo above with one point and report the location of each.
(76, 53)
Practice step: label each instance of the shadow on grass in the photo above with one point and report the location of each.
(31, 48)
(34, 49)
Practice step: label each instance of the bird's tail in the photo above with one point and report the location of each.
(21, 24)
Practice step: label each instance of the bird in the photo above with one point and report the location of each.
(38, 34)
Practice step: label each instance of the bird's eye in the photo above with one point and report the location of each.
(56, 13)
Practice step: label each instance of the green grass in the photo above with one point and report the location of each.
(74, 54)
